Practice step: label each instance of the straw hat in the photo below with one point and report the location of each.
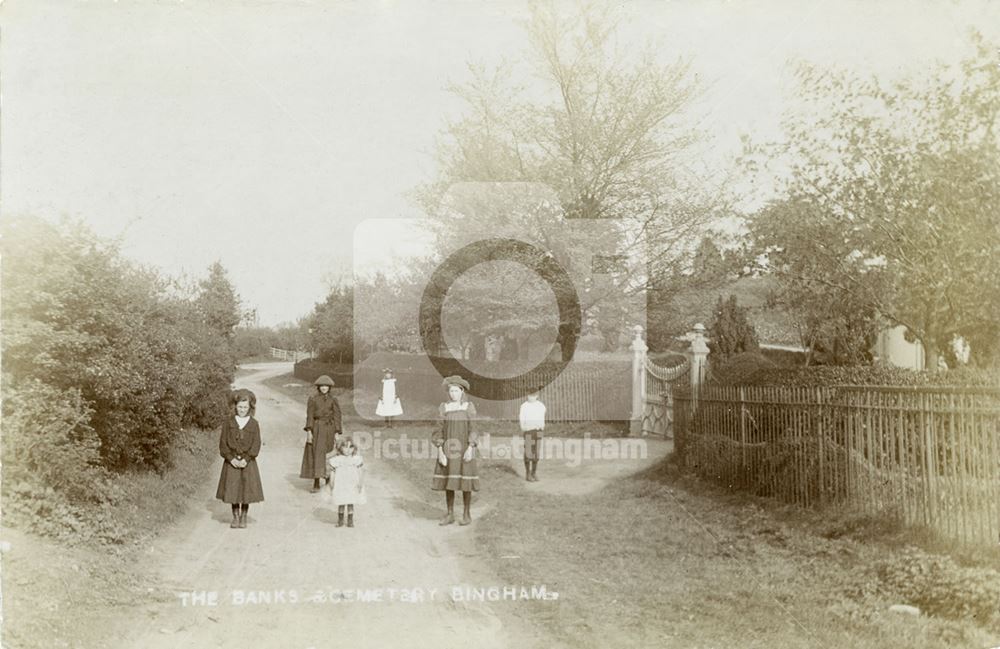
(456, 380)
(324, 380)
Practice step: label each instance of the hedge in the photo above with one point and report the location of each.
(755, 369)
(311, 369)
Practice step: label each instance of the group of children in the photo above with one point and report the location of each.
(329, 453)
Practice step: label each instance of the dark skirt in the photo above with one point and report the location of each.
(314, 455)
(240, 485)
(459, 475)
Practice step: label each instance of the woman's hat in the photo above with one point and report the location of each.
(387, 370)
(456, 380)
(324, 380)
(243, 393)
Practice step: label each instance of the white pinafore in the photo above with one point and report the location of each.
(389, 405)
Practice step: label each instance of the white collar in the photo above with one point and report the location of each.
(242, 421)
(452, 406)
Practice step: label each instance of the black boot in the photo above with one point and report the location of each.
(466, 504)
(350, 519)
(534, 471)
(340, 517)
(236, 518)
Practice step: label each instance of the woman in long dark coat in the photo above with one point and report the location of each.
(239, 445)
(455, 439)
(323, 424)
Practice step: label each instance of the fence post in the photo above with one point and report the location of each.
(639, 350)
(820, 432)
(698, 353)
(744, 472)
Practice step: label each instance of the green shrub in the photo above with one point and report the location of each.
(667, 359)
(939, 586)
(144, 360)
(784, 357)
(43, 510)
(740, 368)
(49, 442)
(863, 375)
(311, 369)
(730, 331)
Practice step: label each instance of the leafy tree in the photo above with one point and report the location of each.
(331, 326)
(699, 277)
(605, 132)
(218, 303)
(708, 266)
(79, 318)
(385, 308)
(892, 201)
(498, 299)
(731, 332)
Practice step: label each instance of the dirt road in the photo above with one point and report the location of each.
(291, 553)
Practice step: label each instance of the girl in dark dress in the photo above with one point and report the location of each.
(323, 424)
(455, 469)
(239, 445)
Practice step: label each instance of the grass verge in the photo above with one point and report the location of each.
(65, 592)
(661, 559)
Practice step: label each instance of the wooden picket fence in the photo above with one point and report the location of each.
(584, 391)
(924, 456)
(290, 355)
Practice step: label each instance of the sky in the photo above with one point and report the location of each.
(262, 133)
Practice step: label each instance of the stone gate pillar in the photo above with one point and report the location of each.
(698, 354)
(639, 350)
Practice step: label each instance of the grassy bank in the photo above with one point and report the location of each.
(663, 560)
(51, 585)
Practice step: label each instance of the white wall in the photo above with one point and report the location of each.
(892, 348)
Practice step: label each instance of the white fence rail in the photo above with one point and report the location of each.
(289, 355)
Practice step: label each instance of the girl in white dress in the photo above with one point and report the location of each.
(389, 405)
(348, 488)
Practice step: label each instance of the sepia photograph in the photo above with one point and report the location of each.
(510, 324)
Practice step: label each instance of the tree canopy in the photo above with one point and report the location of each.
(603, 129)
(890, 204)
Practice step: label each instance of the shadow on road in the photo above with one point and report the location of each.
(219, 510)
(417, 508)
(301, 484)
(327, 514)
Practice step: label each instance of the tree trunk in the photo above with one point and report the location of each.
(567, 335)
(931, 355)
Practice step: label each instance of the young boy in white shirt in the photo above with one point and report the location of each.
(532, 418)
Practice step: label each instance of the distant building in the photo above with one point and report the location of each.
(892, 348)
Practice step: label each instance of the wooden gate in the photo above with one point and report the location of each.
(652, 399)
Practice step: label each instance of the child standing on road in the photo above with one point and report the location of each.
(239, 445)
(389, 405)
(532, 418)
(348, 487)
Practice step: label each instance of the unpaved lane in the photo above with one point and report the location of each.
(292, 550)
